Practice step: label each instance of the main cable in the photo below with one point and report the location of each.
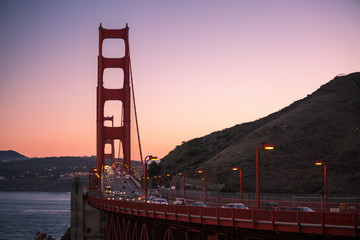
(136, 119)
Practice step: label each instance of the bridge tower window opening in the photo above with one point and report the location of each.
(113, 78)
(114, 108)
(113, 48)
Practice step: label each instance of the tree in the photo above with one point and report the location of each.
(154, 169)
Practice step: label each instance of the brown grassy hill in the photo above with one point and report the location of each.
(323, 126)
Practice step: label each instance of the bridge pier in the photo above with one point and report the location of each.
(86, 222)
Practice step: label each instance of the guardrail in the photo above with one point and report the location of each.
(322, 223)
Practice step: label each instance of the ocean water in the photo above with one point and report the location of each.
(22, 214)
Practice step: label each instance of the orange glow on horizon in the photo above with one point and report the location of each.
(48, 83)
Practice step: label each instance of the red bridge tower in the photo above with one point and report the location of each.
(107, 134)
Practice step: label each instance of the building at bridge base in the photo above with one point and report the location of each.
(86, 222)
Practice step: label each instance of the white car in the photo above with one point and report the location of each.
(160, 201)
(302, 209)
(199, 204)
(235, 205)
(180, 201)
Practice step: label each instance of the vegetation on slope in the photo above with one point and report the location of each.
(323, 126)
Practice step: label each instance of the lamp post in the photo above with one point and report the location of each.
(147, 158)
(157, 183)
(259, 147)
(163, 184)
(204, 172)
(183, 174)
(239, 169)
(156, 180)
(319, 163)
(172, 183)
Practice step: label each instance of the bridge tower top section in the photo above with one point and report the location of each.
(106, 134)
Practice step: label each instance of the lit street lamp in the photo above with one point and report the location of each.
(319, 163)
(147, 158)
(239, 169)
(260, 146)
(204, 172)
(172, 183)
(163, 184)
(183, 174)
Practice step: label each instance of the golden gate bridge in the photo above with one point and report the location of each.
(95, 215)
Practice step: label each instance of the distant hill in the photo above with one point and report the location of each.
(11, 156)
(47, 174)
(322, 126)
(44, 174)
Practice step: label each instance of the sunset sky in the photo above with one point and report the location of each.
(198, 66)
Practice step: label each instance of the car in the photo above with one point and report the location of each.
(140, 199)
(151, 199)
(199, 204)
(180, 201)
(302, 209)
(108, 189)
(235, 205)
(271, 206)
(133, 198)
(160, 201)
(109, 196)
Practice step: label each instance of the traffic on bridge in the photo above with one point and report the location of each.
(133, 211)
(123, 195)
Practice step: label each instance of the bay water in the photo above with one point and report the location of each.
(22, 214)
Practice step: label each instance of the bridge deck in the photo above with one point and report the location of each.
(322, 223)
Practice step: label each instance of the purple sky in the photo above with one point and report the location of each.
(198, 67)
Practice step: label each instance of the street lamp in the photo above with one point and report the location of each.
(319, 163)
(172, 183)
(204, 172)
(147, 158)
(259, 147)
(163, 184)
(239, 169)
(183, 174)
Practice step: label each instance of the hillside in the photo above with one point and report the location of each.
(11, 156)
(322, 126)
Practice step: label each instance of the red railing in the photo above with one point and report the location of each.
(337, 224)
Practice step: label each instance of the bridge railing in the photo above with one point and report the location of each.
(287, 201)
(340, 224)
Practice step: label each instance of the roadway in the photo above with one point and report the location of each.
(121, 184)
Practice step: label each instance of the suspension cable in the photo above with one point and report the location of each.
(136, 119)
(121, 124)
